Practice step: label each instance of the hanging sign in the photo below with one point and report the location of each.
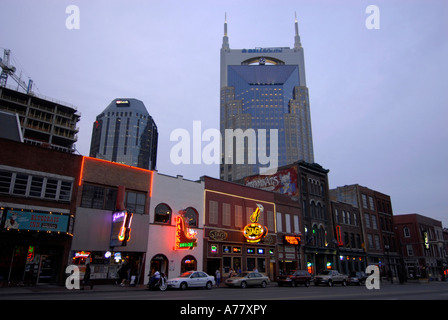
(121, 228)
(185, 237)
(254, 231)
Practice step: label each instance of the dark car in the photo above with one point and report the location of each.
(294, 278)
(357, 278)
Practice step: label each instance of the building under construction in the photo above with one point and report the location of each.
(43, 121)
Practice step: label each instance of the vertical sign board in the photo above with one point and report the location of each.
(121, 228)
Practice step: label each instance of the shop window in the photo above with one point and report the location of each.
(250, 264)
(192, 217)
(189, 263)
(162, 213)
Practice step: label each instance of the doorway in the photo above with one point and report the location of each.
(46, 269)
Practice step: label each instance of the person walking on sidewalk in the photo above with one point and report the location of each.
(87, 280)
(218, 277)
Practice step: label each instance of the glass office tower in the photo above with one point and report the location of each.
(125, 133)
(265, 88)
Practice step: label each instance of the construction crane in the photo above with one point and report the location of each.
(9, 70)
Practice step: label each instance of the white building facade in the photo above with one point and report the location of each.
(175, 247)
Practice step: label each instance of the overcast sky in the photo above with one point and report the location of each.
(379, 98)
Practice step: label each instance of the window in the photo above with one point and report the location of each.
(135, 202)
(358, 241)
(364, 201)
(162, 213)
(20, 184)
(370, 240)
(296, 224)
(374, 222)
(238, 216)
(288, 223)
(407, 233)
(213, 212)
(51, 188)
(192, 216)
(377, 242)
(226, 214)
(5, 181)
(372, 206)
(279, 222)
(98, 197)
(270, 222)
(367, 218)
(65, 190)
(37, 186)
(410, 250)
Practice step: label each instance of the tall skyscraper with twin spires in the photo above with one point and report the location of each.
(265, 88)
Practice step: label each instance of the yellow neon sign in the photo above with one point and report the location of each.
(254, 231)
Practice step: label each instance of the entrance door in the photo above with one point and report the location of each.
(159, 263)
(213, 265)
(46, 269)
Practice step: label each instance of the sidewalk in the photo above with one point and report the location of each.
(62, 289)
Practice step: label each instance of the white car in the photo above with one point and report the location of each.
(192, 279)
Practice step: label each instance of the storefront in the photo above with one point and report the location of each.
(289, 253)
(105, 265)
(239, 229)
(33, 245)
(175, 236)
(228, 251)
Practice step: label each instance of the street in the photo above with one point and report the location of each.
(407, 291)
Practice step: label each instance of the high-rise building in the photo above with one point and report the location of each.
(43, 121)
(264, 88)
(125, 133)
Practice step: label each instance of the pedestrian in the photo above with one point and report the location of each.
(87, 280)
(123, 274)
(218, 277)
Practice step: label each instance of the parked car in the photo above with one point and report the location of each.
(192, 279)
(330, 277)
(294, 278)
(357, 278)
(245, 279)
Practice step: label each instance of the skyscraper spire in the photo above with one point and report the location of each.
(225, 23)
(297, 43)
(225, 38)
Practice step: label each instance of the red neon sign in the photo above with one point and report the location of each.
(185, 237)
(339, 236)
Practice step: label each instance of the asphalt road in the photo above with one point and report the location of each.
(270, 303)
(407, 291)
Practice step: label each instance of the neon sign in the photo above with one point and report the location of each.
(185, 237)
(121, 228)
(254, 231)
(295, 240)
(339, 236)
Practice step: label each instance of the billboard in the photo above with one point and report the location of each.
(283, 181)
(27, 220)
